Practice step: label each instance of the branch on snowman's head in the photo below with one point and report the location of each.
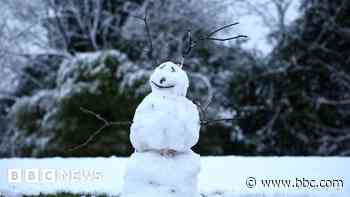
(192, 43)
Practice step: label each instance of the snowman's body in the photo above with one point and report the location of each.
(164, 121)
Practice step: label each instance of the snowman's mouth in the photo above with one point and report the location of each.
(162, 87)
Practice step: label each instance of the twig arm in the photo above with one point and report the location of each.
(105, 125)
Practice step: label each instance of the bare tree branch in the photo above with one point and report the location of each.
(148, 34)
(105, 125)
(59, 24)
(220, 29)
(193, 43)
(271, 122)
(208, 122)
(226, 39)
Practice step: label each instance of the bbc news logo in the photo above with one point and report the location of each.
(53, 175)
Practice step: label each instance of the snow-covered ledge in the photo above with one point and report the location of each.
(226, 175)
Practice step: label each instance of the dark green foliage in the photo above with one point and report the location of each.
(109, 101)
(94, 83)
(298, 104)
(39, 73)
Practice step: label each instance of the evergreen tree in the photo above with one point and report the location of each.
(303, 97)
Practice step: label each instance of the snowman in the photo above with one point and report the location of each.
(165, 127)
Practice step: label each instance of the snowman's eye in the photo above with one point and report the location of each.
(173, 69)
(162, 66)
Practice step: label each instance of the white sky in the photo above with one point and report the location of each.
(251, 24)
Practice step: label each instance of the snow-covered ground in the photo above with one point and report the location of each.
(219, 175)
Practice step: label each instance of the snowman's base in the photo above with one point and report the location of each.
(151, 175)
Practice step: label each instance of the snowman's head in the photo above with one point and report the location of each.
(169, 78)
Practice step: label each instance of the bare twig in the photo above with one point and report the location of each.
(211, 34)
(188, 44)
(105, 125)
(208, 122)
(191, 43)
(148, 34)
(226, 39)
(271, 122)
(59, 24)
(220, 29)
(89, 139)
(332, 102)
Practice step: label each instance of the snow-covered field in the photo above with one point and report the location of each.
(227, 176)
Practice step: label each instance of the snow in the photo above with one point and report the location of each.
(90, 64)
(42, 101)
(169, 74)
(149, 174)
(74, 71)
(8, 81)
(174, 123)
(218, 175)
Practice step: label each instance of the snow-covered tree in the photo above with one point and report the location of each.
(301, 99)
